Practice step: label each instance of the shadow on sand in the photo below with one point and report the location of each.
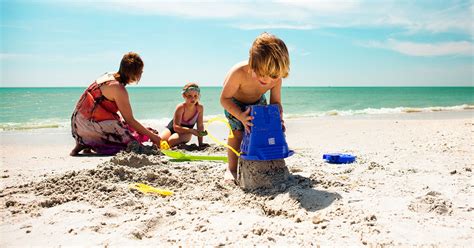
(300, 189)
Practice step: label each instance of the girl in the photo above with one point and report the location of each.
(96, 124)
(187, 114)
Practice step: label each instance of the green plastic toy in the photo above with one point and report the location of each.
(179, 156)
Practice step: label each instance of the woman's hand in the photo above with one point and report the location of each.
(155, 139)
(153, 130)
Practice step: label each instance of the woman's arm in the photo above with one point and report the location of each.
(120, 96)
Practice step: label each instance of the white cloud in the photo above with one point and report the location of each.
(227, 9)
(463, 48)
(326, 6)
(424, 16)
(188, 9)
(292, 49)
(273, 26)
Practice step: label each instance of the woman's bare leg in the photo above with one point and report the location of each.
(77, 149)
(87, 151)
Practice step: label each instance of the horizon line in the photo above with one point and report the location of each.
(293, 86)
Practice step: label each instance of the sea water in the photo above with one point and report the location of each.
(30, 108)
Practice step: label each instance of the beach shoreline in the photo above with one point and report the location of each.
(410, 185)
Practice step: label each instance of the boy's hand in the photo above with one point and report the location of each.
(283, 125)
(246, 119)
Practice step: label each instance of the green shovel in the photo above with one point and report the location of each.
(179, 156)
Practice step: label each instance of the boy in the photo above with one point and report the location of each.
(246, 84)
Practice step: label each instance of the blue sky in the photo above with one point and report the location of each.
(331, 43)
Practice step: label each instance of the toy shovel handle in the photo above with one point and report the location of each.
(211, 158)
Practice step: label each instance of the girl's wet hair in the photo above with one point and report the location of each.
(191, 87)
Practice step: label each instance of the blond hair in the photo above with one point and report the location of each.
(269, 56)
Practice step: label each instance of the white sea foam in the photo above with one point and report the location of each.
(159, 124)
(379, 111)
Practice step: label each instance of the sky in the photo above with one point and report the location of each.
(54, 43)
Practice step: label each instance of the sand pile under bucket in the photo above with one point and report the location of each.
(254, 174)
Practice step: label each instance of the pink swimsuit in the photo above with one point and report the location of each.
(185, 123)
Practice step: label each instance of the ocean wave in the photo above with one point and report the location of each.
(12, 126)
(379, 111)
(162, 122)
(66, 123)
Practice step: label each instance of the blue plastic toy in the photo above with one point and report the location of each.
(266, 140)
(339, 158)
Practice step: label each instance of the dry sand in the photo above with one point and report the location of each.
(411, 185)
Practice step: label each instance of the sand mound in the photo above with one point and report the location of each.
(138, 148)
(197, 186)
(107, 182)
(135, 160)
(431, 202)
(262, 174)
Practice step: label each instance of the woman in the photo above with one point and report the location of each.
(95, 123)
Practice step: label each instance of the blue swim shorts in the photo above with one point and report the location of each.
(235, 124)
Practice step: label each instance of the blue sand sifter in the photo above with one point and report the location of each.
(266, 140)
(339, 158)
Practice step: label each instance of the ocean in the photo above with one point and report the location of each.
(32, 108)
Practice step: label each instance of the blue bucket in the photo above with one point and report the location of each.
(266, 140)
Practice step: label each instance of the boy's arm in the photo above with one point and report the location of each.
(275, 98)
(231, 85)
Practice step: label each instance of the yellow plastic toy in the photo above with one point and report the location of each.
(149, 189)
(164, 145)
(231, 135)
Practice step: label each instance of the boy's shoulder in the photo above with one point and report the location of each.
(239, 68)
(239, 72)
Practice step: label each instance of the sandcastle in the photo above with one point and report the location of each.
(254, 174)
(262, 164)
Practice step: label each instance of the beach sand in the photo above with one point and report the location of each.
(410, 185)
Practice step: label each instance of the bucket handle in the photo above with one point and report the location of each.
(231, 134)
